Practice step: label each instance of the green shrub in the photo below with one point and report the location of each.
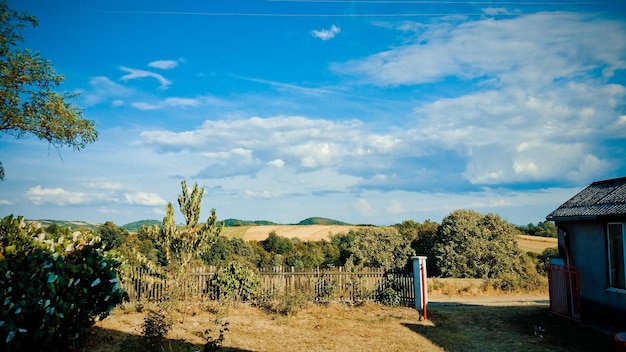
(52, 289)
(236, 282)
(155, 326)
(287, 304)
(325, 289)
(389, 292)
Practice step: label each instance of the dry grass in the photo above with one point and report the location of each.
(457, 322)
(535, 243)
(303, 232)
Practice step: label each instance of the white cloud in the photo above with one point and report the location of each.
(144, 198)
(326, 34)
(102, 89)
(277, 163)
(5, 202)
(58, 196)
(504, 49)
(163, 64)
(309, 143)
(136, 73)
(364, 207)
(395, 207)
(173, 102)
(106, 185)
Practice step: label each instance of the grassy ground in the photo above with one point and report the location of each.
(460, 322)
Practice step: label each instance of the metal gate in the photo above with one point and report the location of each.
(564, 290)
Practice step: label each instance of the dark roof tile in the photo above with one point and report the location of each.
(601, 198)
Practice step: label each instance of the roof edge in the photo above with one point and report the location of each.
(611, 180)
(570, 218)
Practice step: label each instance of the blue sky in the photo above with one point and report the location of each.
(362, 111)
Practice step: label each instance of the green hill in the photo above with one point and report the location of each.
(135, 226)
(321, 221)
(238, 222)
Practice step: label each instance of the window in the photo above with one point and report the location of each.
(615, 243)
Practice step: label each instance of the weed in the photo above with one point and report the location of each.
(214, 343)
(155, 326)
(289, 303)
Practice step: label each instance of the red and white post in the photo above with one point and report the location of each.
(420, 284)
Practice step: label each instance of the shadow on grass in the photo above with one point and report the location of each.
(100, 339)
(464, 327)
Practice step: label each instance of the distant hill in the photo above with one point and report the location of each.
(321, 221)
(74, 225)
(238, 222)
(135, 226)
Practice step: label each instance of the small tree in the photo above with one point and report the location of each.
(28, 102)
(184, 245)
(112, 235)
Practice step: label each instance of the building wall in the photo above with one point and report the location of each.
(587, 251)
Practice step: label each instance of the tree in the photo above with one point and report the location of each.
(112, 235)
(422, 238)
(277, 244)
(186, 244)
(380, 247)
(473, 245)
(28, 102)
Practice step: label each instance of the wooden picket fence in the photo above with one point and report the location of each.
(323, 285)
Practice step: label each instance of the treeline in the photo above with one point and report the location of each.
(465, 244)
(542, 229)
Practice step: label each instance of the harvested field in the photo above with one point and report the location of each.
(536, 244)
(303, 232)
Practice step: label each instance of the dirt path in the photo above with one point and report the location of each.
(490, 300)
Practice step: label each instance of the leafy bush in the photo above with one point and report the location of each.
(236, 282)
(287, 304)
(215, 343)
(543, 260)
(52, 289)
(325, 289)
(389, 292)
(155, 326)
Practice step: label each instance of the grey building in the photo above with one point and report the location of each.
(588, 279)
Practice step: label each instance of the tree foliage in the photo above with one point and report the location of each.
(112, 236)
(381, 247)
(29, 103)
(186, 244)
(542, 229)
(422, 237)
(473, 245)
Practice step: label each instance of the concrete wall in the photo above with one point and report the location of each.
(587, 251)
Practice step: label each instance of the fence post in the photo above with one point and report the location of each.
(420, 284)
